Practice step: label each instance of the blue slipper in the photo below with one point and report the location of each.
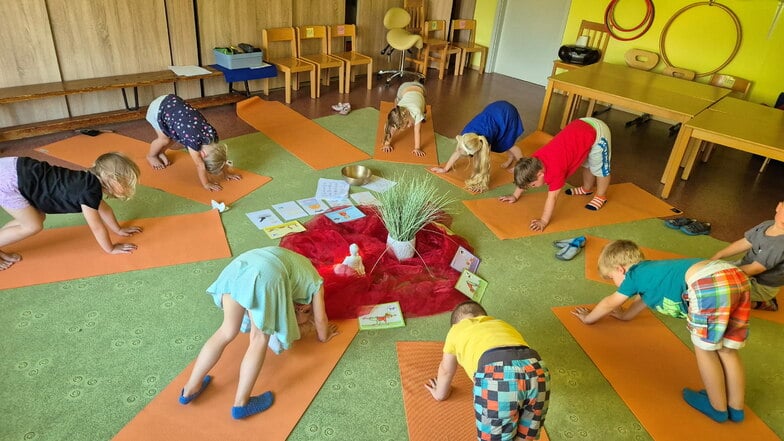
(563, 243)
(678, 222)
(696, 228)
(572, 249)
(204, 383)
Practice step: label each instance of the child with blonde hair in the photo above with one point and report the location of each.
(495, 129)
(31, 189)
(511, 382)
(174, 119)
(409, 110)
(582, 143)
(713, 296)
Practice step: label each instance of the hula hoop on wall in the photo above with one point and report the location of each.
(738, 33)
(613, 26)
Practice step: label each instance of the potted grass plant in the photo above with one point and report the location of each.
(406, 208)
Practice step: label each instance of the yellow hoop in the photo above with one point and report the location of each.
(738, 33)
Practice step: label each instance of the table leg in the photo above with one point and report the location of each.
(548, 95)
(569, 108)
(673, 163)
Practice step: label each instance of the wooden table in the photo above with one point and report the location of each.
(734, 123)
(643, 91)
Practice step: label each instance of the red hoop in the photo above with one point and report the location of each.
(613, 26)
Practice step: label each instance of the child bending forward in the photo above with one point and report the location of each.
(712, 295)
(174, 119)
(495, 129)
(583, 142)
(270, 291)
(31, 189)
(409, 111)
(511, 383)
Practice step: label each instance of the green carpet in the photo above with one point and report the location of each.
(81, 358)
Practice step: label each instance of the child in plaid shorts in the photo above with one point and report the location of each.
(511, 383)
(713, 296)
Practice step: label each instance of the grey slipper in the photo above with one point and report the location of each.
(571, 249)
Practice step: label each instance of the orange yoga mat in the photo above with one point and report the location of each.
(594, 245)
(648, 366)
(626, 203)
(430, 420)
(403, 141)
(312, 144)
(294, 377)
(179, 178)
(58, 254)
(463, 168)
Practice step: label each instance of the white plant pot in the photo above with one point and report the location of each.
(402, 249)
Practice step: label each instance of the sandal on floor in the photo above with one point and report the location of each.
(696, 228)
(571, 249)
(678, 222)
(563, 243)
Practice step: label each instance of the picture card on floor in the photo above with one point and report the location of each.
(471, 285)
(289, 210)
(349, 213)
(341, 202)
(264, 218)
(379, 184)
(382, 316)
(365, 198)
(465, 260)
(332, 189)
(278, 231)
(313, 205)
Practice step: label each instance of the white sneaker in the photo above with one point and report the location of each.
(346, 109)
(338, 107)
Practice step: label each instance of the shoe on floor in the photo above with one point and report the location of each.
(678, 222)
(563, 243)
(571, 249)
(346, 109)
(338, 107)
(696, 228)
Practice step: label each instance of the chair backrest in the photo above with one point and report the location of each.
(345, 34)
(740, 86)
(597, 34)
(677, 72)
(417, 9)
(311, 40)
(396, 18)
(463, 24)
(641, 59)
(279, 35)
(435, 29)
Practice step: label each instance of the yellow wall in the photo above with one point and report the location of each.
(484, 14)
(701, 38)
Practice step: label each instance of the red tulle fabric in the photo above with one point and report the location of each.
(423, 284)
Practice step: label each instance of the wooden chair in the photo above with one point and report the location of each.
(468, 45)
(316, 35)
(347, 34)
(439, 48)
(289, 62)
(417, 9)
(598, 37)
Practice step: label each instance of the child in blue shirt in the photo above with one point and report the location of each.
(712, 295)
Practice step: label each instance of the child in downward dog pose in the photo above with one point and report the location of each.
(511, 382)
(495, 129)
(712, 295)
(409, 110)
(272, 291)
(174, 119)
(583, 142)
(31, 189)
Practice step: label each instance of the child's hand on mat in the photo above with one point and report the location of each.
(418, 152)
(508, 198)
(538, 225)
(581, 313)
(213, 187)
(123, 248)
(233, 177)
(432, 387)
(386, 148)
(128, 231)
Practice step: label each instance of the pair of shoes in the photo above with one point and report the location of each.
(767, 305)
(568, 248)
(678, 222)
(342, 108)
(691, 227)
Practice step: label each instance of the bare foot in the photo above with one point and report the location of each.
(12, 257)
(164, 159)
(155, 162)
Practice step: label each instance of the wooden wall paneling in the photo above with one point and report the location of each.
(371, 35)
(97, 38)
(317, 12)
(181, 22)
(28, 57)
(222, 23)
(439, 10)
